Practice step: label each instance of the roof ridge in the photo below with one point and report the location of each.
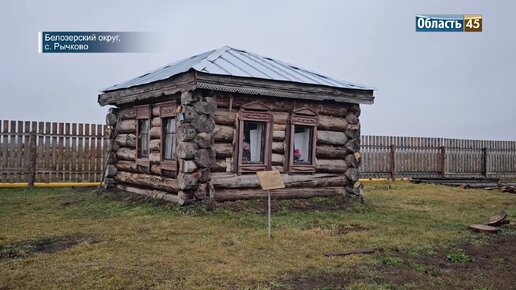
(210, 58)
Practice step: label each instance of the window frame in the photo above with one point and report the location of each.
(254, 112)
(167, 110)
(142, 113)
(308, 118)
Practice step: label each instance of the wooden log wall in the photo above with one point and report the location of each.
(195, 153)
(196, 146)
(129, 174)
(338, 139)
(65, 152)
(207, 136)
(206, 139)
(225, 136)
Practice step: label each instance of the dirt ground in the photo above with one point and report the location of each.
(52, 245)
(488, 262)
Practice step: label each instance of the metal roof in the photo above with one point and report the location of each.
(240, 63)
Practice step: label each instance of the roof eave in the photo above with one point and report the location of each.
(178, 83)
(283, 89)
(192, 80)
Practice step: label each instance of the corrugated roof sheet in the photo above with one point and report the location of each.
(235, 62)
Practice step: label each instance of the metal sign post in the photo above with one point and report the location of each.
(270, 180)
(269, 210)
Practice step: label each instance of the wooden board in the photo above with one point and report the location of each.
(55, 177)
(86, 154)
(67, 153)
(80, 154)
(73, 155)
(483, 228)
(270, 179)
(287, 193)
(497, 219)
(93, 149)
(40, 161)
(60, 153)
(19, 149)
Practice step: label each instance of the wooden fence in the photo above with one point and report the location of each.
(64, 152)
(71, 152)
(388, 157)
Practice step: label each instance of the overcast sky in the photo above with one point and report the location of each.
(428, 84)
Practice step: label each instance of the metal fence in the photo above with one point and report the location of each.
(63, 152)
(388, 157)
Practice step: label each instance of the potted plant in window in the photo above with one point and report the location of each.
(246, 154)
(297, 155)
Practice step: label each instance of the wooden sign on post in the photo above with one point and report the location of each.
(270, 180)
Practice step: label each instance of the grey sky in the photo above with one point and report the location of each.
(429, 84)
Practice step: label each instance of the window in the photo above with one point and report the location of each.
(143, 138)
(169, 138)
(303, 132)
(168, 113)
(143, 114)
(254, 142)
(254, 146)
(303, 144)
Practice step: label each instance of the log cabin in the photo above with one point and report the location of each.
(200, 128)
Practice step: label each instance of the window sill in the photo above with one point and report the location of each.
(250, 167)
(302, 168)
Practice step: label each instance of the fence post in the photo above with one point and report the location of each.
(443, 162)
(393, 162)
(484, 162)
(32, 159)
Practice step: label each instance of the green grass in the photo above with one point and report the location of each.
(152, 245)
(458, 256)
(393, 261)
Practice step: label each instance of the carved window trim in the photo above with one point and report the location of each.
(256, 112)
(304, 117)
(167, 110)
(142, 113)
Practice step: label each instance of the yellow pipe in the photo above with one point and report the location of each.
(52, 184)
(373, 180)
